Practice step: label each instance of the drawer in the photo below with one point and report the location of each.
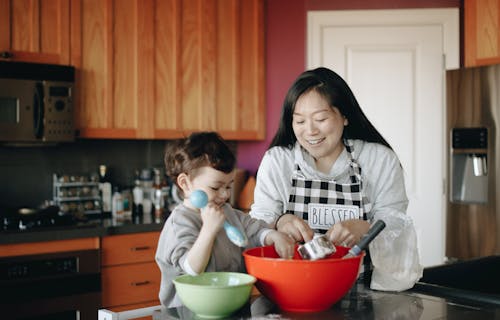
(129, 284)
(19, 249)
(129, 248)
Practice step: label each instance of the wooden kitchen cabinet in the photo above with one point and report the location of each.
(35, 31)
(44, 247)
(481, 32)
(130, 276)
(161, 69)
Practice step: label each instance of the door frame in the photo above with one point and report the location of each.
(448, 18)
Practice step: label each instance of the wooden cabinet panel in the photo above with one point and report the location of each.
(481, 32)
(20, 249)
(223, 78)
(167, 76)
(92, 22)
(129, 248)
(240, 95)
(35, 30)
(160, 69)
(130, 284)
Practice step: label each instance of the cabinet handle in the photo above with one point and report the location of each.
(140, 248)
(141, 283)
(6, 55)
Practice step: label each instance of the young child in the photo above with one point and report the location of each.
(193, 241)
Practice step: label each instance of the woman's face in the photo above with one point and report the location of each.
(318, 128)
(217, 184)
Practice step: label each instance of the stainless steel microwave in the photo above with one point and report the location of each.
(36, 103)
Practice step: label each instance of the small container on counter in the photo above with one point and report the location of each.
(117, 205)
(105, 188)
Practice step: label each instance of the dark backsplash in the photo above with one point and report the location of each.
(26, 172)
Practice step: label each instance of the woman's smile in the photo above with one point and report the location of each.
(315, 141)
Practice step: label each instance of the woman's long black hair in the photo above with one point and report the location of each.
(336, 91)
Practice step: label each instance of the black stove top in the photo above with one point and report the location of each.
(18, 219)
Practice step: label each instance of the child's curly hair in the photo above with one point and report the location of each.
(198, 150)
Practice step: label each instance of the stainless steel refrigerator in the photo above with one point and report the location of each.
(473, 162)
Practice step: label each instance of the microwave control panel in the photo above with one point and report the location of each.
(58, 108)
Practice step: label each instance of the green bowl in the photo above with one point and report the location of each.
(214, 294)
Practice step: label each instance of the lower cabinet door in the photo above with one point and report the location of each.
(130, 284)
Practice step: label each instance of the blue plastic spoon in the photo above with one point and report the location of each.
(199, 199)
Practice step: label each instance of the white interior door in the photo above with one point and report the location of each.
(393, 60)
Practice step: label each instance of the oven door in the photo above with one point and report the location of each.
(21, 112)
(64, 285)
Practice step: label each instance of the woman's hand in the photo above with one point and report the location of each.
(295, 227)
(283, 244)
(348, 233)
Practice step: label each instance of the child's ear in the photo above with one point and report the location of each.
(183, 182)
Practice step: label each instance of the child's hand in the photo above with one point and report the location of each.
(283, 244)
(213, 218)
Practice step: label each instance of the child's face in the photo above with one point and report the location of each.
(215, 183)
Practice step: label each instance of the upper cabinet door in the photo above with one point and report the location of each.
(210, 70)
(481, 32)
(35, 31)
(115, 67)
(160, 69)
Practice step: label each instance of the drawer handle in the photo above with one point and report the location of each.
(141, 283)
(140, 248)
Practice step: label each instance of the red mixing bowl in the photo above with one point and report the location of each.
(299, 285)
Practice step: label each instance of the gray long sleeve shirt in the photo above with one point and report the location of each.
(181, 231)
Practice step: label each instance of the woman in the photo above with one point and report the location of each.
(328, 170)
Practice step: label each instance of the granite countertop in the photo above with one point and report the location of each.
(361, 303)
(92, 228)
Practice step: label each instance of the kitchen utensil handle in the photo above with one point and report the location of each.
(375, 229)
(378, 226)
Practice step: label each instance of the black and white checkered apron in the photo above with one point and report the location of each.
(323, 192)
(316, 191)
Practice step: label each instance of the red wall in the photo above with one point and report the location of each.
(285, 54)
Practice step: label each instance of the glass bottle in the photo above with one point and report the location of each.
(138, 197)
(105, 188)
(117, 205)
(158, 197)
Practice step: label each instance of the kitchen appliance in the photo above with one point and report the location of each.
(473, 208)
(19, 219)
(36, 103)
(63, 285)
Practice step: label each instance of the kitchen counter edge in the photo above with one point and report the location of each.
(75, 232)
